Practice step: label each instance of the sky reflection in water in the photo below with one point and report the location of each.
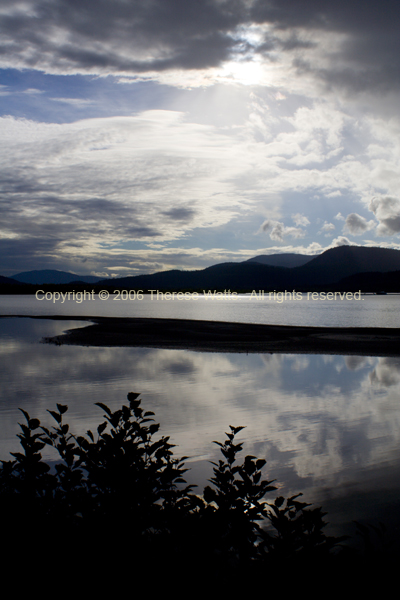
(328, 426)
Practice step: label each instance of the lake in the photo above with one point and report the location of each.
(369, 311)
(328, 426)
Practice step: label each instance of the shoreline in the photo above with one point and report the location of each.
(219, 336)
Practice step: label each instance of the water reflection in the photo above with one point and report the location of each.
(370, 311)
(387, 372)
(329, 426)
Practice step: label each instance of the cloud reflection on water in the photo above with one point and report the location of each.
(325, 424)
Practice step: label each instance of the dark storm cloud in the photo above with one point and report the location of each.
(137, 232)
(342, 15)
(144, 36)
(26, 247)
(55, 219)
(368, 57)
(180, 214)
(114, 36)
(25, 254)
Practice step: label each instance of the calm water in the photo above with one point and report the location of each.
(328, 426)
(369, 311)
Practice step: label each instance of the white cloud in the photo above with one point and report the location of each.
(300, 220)
(340, 241)
(339, 217)
(314, 248)
(73, 101)
(106, 181)
(327, 228)
(32, 91)
(277, 230)
(156, 177)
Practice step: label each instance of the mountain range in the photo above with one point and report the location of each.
(52, 276)
(282, 260)
(326, 269)
(342, 266)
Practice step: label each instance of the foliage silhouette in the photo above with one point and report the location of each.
(234, 505)
(124, 483)
(298, 530)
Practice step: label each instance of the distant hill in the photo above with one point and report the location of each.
(225, 275)
(8, 281)
(327, 268)
(52, 276)
(372, 282)
(282, 260)
(346, 266)
(337, 263)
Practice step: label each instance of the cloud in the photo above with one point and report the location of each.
(327, 228)
(335, 43)
(386, 372)
(339, 217)
(278, 230)
(300, 220)
(356, 224)
(387, 210)
(122, 182)
(314, 248)
(180, 213)
(73, 101)
(340, 241)
(114, 36)
(356, 363)
(361, 46)
(111, 185)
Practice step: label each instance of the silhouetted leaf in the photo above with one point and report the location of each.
(104, 407)
(33, 424)
(56, 416)
(101, 428)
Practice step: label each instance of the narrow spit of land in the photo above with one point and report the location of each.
(214, 336)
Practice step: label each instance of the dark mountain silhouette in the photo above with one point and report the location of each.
(8, 281)
(327, 268)
(337, 263)
(282, 260)
(221, 276)
(372, 282)
(336, 267)
(52, 276)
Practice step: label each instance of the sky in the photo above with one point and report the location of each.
(141, 136)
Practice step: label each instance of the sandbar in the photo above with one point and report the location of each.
(217, 336)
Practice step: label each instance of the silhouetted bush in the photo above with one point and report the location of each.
(124, 488)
